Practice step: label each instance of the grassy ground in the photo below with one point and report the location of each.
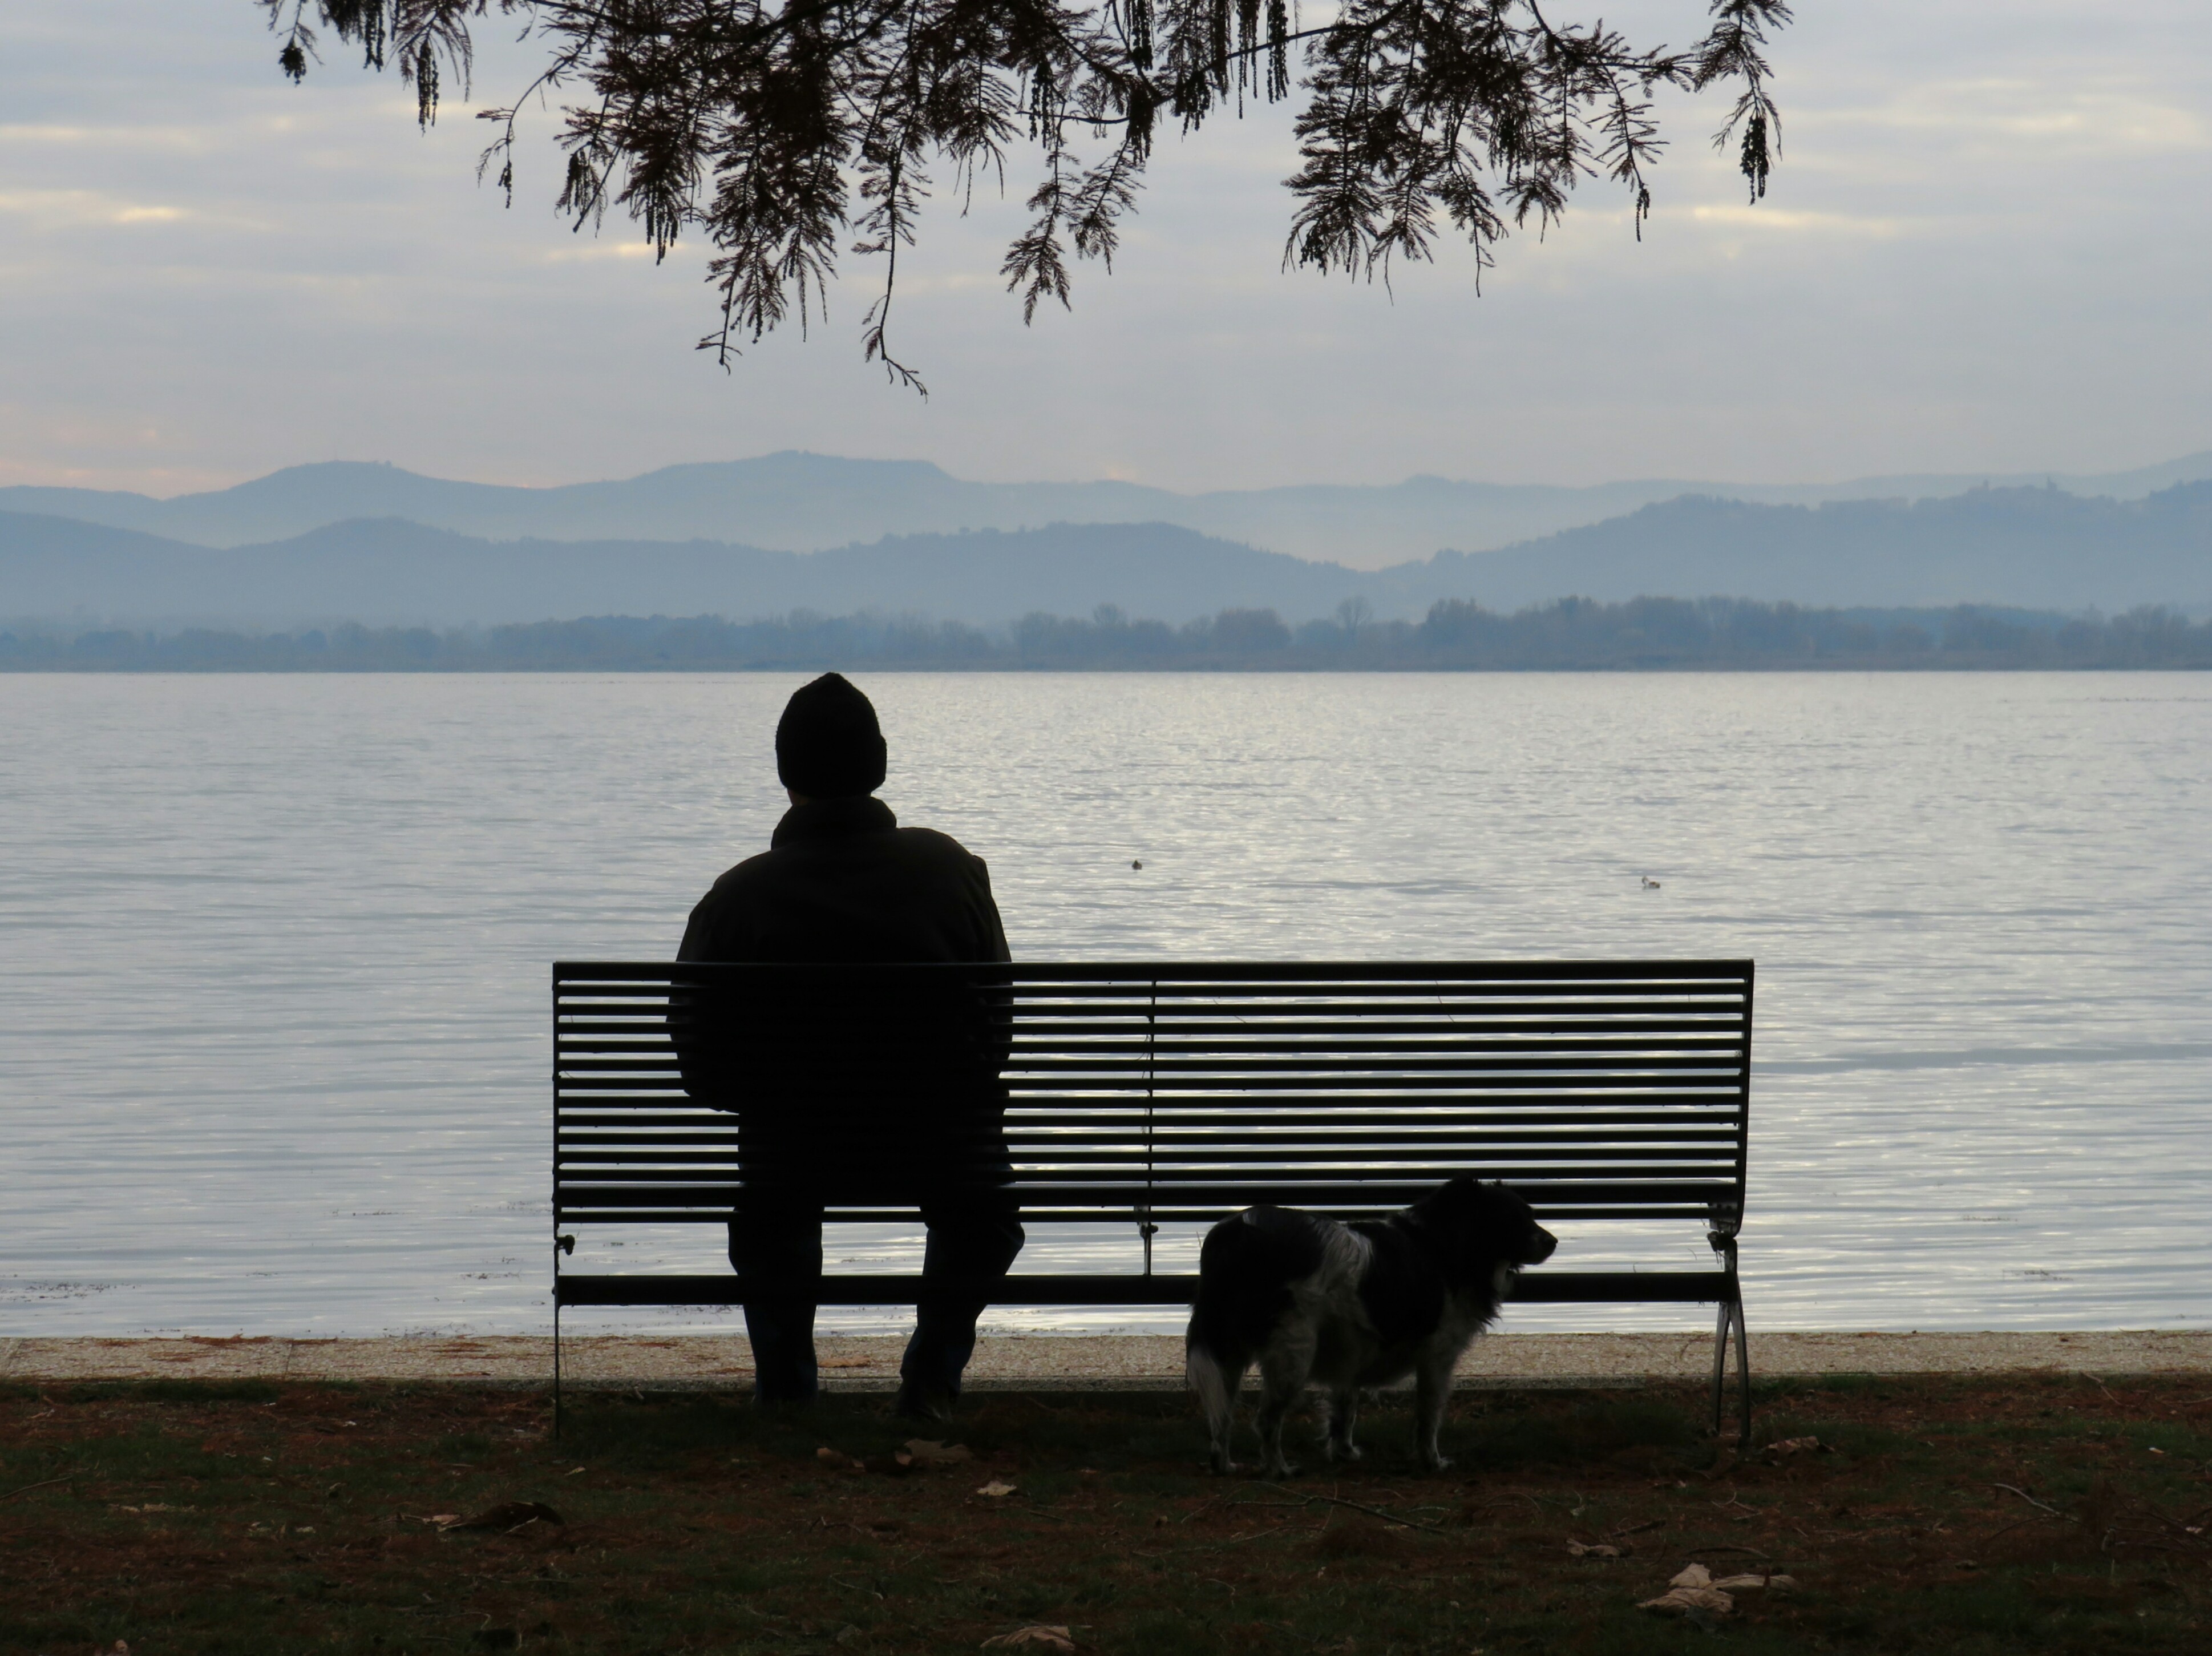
(1950, 1516)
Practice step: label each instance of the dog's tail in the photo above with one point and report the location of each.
(1214, 1381)
(1217, 1351)
(1245, 1270)
(1245, 1273)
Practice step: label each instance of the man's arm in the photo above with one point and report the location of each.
(693, 946)
(694, 1023)
(991, 945)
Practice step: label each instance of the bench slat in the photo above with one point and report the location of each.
(1117, 1127)
(1077, 1140)
(1290, 1090)
(1552, 1287)
(1388, 1189)
(1089, 972)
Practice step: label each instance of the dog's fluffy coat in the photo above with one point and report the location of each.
(1346, 1306)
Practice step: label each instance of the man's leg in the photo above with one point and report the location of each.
(782, 1241)
(973, 1234)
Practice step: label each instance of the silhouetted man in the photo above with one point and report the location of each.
(865, 1088)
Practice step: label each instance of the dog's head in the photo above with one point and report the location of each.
(1484, 1227)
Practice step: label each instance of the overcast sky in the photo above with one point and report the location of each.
(1989, 247)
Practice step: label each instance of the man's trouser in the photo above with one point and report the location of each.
(973, 1233)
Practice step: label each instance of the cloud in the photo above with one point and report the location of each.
(1782, 221)
(58, 208)
(21, 135)
(2047, 117)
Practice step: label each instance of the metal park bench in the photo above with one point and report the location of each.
(1171, 1092)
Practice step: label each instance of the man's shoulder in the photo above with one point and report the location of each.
(739, 875)
(928, 842)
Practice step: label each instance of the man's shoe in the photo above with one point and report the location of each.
(923, 1404)
(786, 1399)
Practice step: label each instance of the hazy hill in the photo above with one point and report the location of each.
(805, 502)
(2037, 548)
(385, 571)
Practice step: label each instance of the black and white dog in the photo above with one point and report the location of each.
(1345, 1307)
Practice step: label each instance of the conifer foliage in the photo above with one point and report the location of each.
(776, 129)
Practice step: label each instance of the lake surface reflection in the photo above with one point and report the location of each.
(275, 1055)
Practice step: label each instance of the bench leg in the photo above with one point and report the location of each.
(1743, 1376)
(1731, 1312)
(556, 1371)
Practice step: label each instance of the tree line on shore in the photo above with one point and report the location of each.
(1571, 634)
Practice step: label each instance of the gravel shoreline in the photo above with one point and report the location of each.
(1072, 1362)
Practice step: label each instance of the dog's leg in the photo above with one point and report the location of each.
(1432, 1389)
(1284, 1366)
(1343, 1419)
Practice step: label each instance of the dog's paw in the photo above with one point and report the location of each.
(1336, 1451)
(1280, 1468)
(1431, 1461)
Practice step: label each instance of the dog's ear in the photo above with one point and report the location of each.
(1458, 1208)
(1504, 1212)
(1447, 1205)
(1511, 1226)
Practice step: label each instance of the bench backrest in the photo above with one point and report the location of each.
(1180, 1091)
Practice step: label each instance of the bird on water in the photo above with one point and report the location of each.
(1650, 884)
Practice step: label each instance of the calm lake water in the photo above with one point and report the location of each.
(274, 1056)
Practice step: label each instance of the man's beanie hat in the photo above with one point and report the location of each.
(828, 745)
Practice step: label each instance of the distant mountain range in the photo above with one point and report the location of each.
(801, 503)
(386, 571)
(2041, 548)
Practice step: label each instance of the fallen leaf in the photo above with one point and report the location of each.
(434, 1517)
(849, 1635)
(837, 1460)
(994, 1489)
(1025, 1638)
(1693, 1575)
(1683, 1601)
(508, 1515)
(1773, 1583)
(923, 1452)
(1797, 1446)
(1599, 1551)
